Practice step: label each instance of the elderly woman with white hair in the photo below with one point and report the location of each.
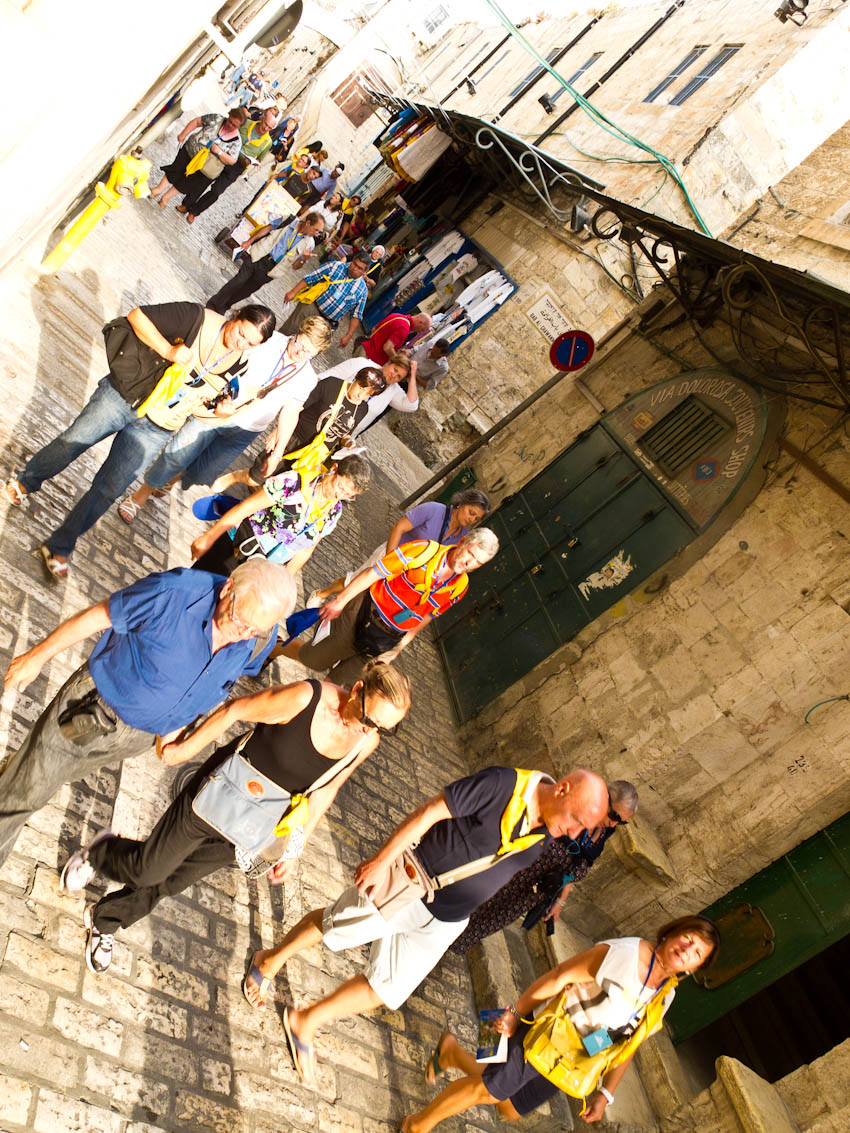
(386, 605)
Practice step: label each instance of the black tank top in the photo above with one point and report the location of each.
(285, 752)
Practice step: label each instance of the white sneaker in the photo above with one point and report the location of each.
(78, 870)
(98, 945)
(314, 601)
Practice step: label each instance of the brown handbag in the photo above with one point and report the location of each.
(404, 882)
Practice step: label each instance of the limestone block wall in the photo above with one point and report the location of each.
(755, 119)
(805, 223)
(698, 693)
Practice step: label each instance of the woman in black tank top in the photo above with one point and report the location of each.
(301, 732)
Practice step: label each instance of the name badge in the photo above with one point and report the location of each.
(597, 1040)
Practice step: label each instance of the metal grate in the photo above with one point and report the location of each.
(683, 436)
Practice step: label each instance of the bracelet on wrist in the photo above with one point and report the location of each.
(514, 1012)
(609, 1097)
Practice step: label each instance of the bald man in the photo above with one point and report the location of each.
(501, 819)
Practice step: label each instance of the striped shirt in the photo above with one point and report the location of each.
(404, 595)
(341, 298)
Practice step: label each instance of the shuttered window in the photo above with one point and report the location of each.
(683, 436)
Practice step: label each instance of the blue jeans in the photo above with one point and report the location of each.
(137, 441)
(200, 451)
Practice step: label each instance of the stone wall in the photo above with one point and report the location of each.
(696, 693)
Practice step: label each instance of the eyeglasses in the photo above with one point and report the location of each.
(369, 722)
(238, 624)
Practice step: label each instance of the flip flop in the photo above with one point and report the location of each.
(56, 569)
(263, 983)
(297, 1050)
(433, 1070)
(15, 493)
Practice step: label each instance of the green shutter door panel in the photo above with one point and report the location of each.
(806, 897)
(560, 565)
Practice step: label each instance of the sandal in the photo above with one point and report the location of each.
(128, 509)
(252, 972)
(15, 491)
(433, 1070)
(301, 1052)
(56, 568)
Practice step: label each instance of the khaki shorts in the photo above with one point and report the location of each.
(404, 949)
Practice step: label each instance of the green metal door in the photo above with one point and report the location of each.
(805, 896)
(585, 531)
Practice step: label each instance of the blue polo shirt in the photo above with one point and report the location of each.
(155, 667)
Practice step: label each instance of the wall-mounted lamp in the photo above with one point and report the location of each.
(793, 10)
(470, 86)
(546, 102)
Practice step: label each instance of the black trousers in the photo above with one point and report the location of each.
(250, 278)
(180, 850)
(202, 201)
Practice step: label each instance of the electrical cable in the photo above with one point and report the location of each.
(597, 116)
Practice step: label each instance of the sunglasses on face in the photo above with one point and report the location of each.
(615, 818)
(369, 722)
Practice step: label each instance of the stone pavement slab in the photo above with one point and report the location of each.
(164, 1041)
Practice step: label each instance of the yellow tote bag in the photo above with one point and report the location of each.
(167, 386)
(197, 162)
(310, 459)
(554, 1047)
(312, 293)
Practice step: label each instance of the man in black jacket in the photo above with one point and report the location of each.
(183, 333)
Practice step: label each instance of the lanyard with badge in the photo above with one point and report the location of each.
(604, 1037)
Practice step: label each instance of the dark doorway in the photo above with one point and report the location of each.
(782, 1027)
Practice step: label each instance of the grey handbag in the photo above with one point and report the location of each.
(241, 803)
(245, 806)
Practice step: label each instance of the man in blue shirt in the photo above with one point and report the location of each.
(469, 840)
(294, 245)
(174, 645)
(346, 294)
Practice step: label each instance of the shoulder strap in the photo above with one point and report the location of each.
(470, 869)
(339, 766)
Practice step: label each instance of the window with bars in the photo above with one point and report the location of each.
(534, 73)
(433, 20)
(573, 79)
(492, 66)
(353, 98)
(683, 436)
(711, 68)
(678, 70)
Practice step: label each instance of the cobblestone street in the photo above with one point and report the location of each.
(165, 1041)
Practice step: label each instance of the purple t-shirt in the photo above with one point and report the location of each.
(430, 521)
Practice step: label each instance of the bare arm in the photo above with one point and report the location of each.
(25, 668)
(320, 800)
(223, 157)
(270, 706)
(597, 1103)
(390, 654)
(188, 129)
(358, 584)
(353, 327)
(558, 903)
(400, 529)
(147, 333)
(435, 810)
(299, 287)
(578, 969)
(255, 502)
(258, 235)
(299, 559)
(279, 438)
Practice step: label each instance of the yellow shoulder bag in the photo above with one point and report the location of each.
(555, 1049)
(310, 460)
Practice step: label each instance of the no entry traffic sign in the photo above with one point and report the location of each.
(572, 350)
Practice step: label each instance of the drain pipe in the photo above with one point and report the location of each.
(477, 67)
(611, 70)
(556, 59)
